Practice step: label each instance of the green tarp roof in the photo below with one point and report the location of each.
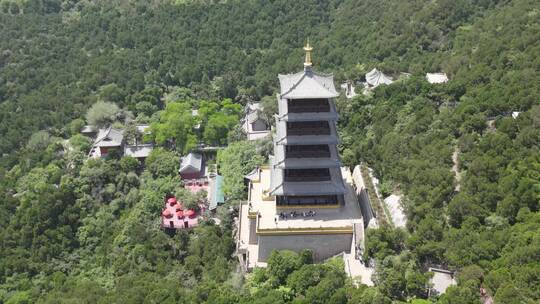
(217, 196)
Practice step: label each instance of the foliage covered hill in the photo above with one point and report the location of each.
(408, 132)
(86, 232)
(69, 53)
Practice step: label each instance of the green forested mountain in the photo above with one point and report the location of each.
(76, 231)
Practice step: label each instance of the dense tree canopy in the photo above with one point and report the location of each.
(237, 160)
(78, 230)
(102, 113)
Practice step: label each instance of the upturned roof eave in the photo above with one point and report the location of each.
(293, 96)
(321, 85)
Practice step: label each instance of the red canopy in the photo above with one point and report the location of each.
(180, 214)
(166, 213)
(171, 200)
(189, 212)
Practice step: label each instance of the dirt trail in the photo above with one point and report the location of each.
(455, 168)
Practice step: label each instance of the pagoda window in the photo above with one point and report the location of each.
(307, 175)
(307, 151)
(313, 105)
(308, 128)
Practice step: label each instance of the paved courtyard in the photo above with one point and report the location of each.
(324, 218)
(340, 218)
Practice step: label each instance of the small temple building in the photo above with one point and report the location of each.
(435, 78)
(303, 199)
(349, 89)
(252, 124)
(375, 78)
(110, 139)
(139, 151)
(191, 166)
(107, 140)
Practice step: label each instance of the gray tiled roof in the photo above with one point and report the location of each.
(309, 140)
(280, 187)
(376, 77)
(307, 84)
(252, 117)
(281, 138)
(298, 163)
(436, 77)
(310, 116)
(254, 106)
(88, 129)
(309, 188)
(138, 151)
(313, 116)
(252, 112)
(191, 163)
(254, 174)
(143, 129)
(109, 138)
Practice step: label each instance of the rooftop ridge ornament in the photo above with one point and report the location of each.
(308, 49)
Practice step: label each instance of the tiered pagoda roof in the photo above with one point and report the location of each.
(305, 126)
(307, 84)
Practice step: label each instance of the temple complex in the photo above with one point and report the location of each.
(303, 199)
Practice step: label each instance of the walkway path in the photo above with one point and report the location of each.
(455, 168)
(396, 210)
(354, 266)
(357, 270)
(380, 211)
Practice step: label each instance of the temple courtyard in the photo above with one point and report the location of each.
(260, 219)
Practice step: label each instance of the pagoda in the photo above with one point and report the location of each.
(306, 166)
(301, 200)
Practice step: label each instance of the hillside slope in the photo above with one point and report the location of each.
(86, 232)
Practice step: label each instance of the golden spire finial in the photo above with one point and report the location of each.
(308, 49)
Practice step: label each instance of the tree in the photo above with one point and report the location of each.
(368, 295)
(129, 164)
(464, 294)
(147, 102)
(234, 162)
(39, 140)
(131, 134)
(80, 142)
(217, 120)
(400, 277)
(20, 297)
(161, 162)
(217, 129)
(383, 242)
(76, 125)
(308, 275)
(175, 127)
(102, 113)
(189, 200)
(112, 93)
(270, 107)
(280, 265)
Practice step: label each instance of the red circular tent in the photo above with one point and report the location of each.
(189, 213)
(166, 213)
(180, 214)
